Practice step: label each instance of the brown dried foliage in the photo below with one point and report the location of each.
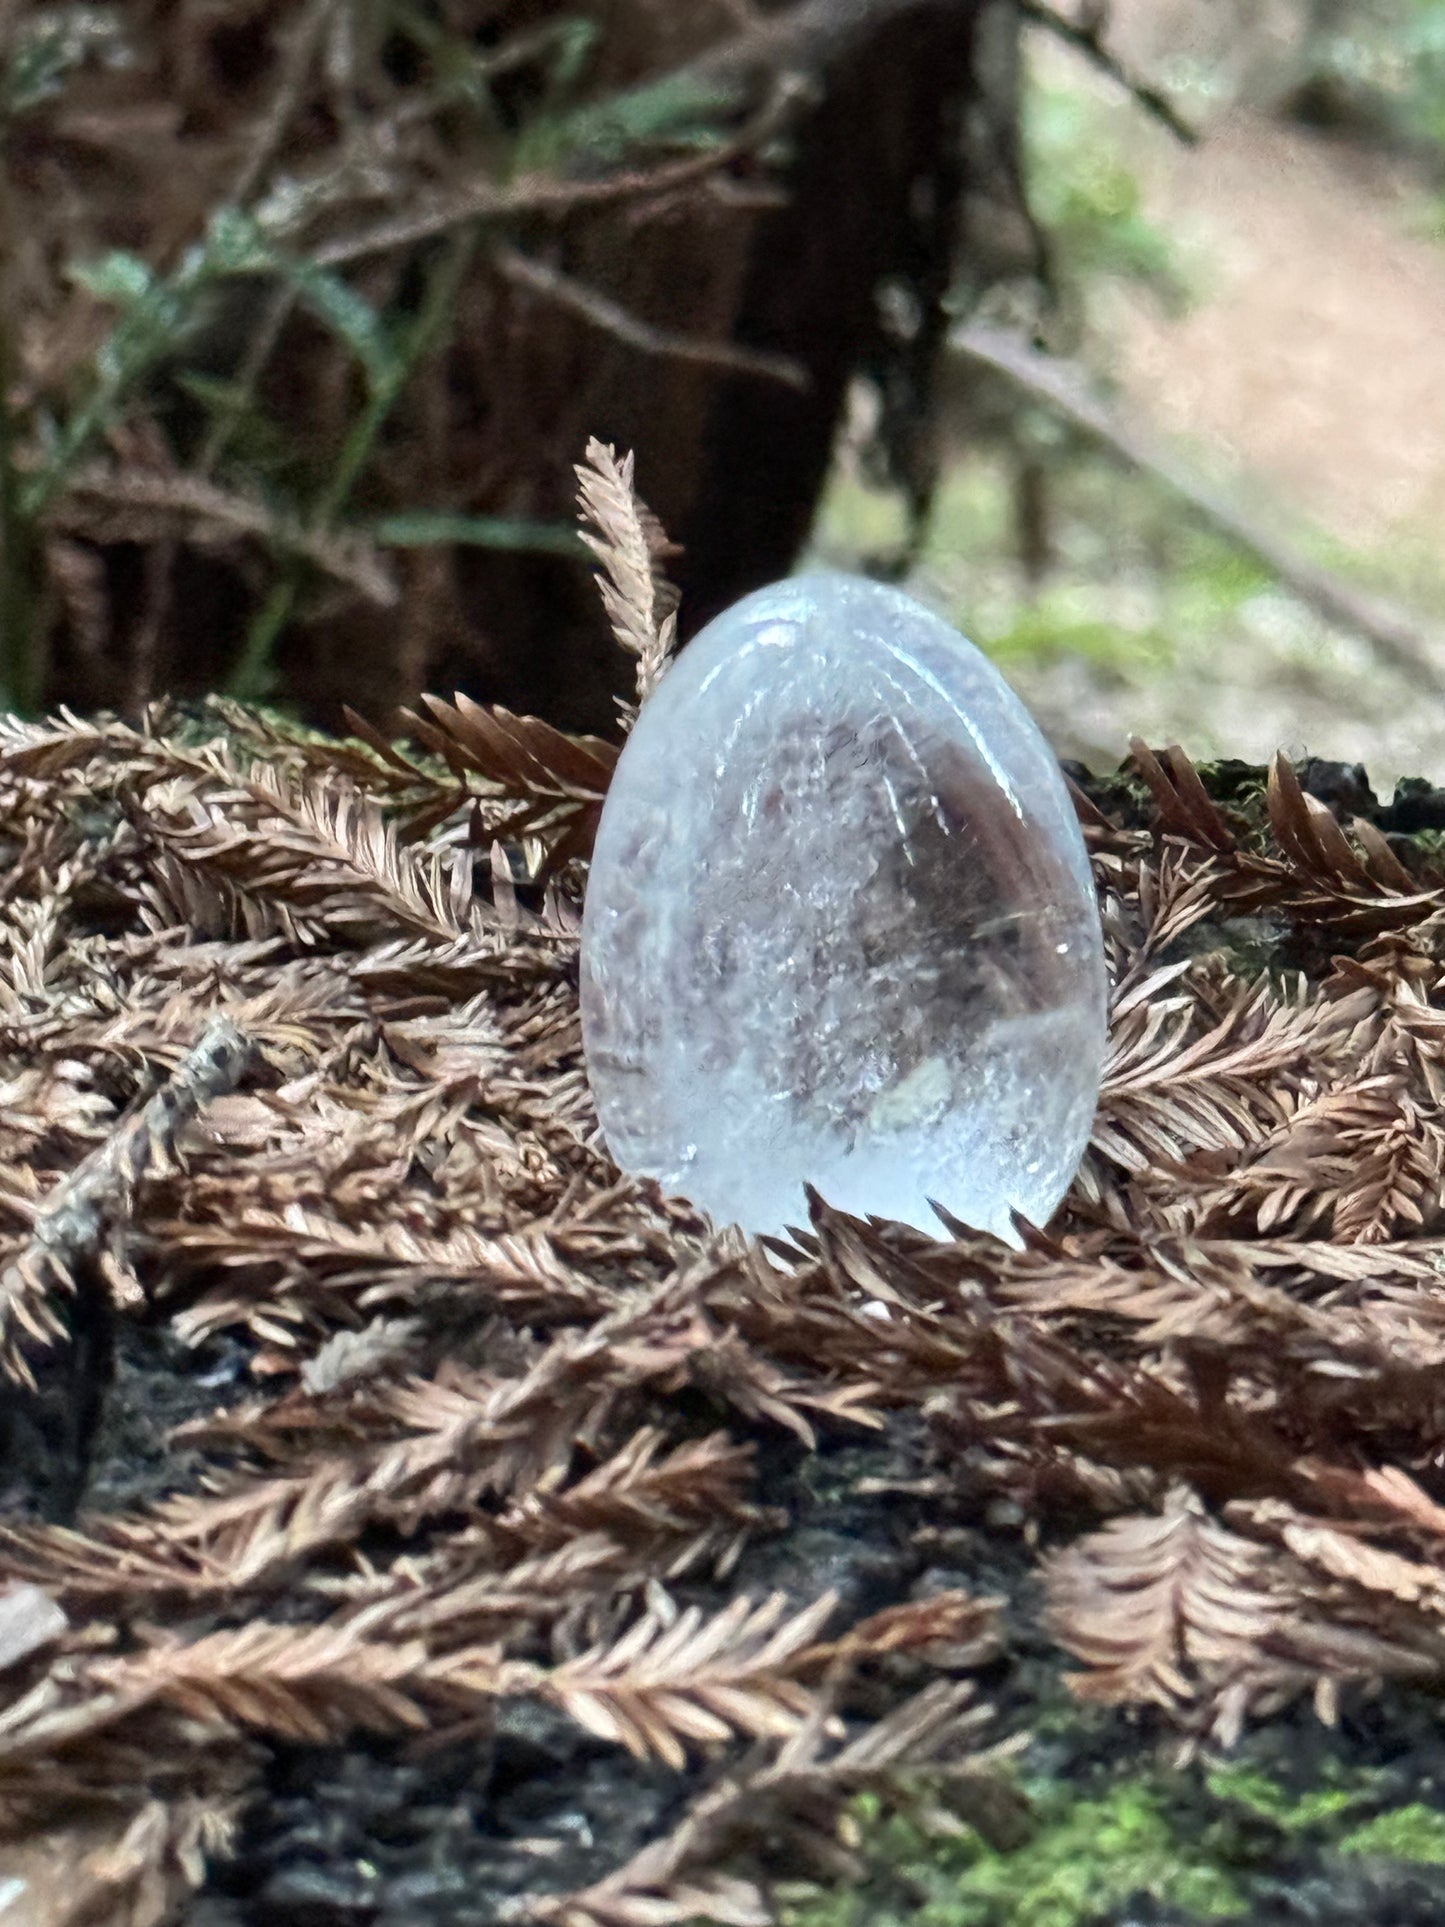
(469, 1336)
(632, 546)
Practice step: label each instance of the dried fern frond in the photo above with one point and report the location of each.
(540, 782)
(1319, 852)
(69, 1228)
(643, 1493)
(1155, 1604)
(105, 504)
(1169, 1092)
(1153, 904)
(950, 1628)
(629, 542)
(129, 1868)
(1180, 1612)
(1318, 876)
(656, 1691)
(466, 1430)
(794, 1802)
(697, 1682)
(1184, 805)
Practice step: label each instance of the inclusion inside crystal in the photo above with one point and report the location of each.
(840, 926)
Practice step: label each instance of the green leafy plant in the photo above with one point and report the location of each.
(292, 250)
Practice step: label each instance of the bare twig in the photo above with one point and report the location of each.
(97, 491)
(99, 1191)
(1086, 37)
(1399, 638)
(624, 326)
(485, 200)
(302, 43)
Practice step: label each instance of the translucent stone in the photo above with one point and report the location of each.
(840, 925)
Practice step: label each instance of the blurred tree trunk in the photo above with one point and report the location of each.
(733, 463)
(656, 320)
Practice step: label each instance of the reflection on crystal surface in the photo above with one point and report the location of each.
(840, 925)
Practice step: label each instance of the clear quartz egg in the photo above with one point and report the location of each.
(840, 926)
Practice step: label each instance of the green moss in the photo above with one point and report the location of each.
(1287, 1811)
(1091, 1858)
(1086, 1857)
(1200, 1841)
(1065, 622)
(1414, 1832)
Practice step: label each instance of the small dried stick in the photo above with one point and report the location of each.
(100, 1190)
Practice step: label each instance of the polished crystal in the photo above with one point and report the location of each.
(840, 926)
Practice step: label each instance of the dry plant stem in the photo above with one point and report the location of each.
(1399, 638)
(97, 1196)
(1088, 40)
(202, 506)
(248, 376)
(304, 40)
(543, 194)
(632, 547)
(624, 326)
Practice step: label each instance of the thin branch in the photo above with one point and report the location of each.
(1087, 38)
(99, 1191)
(302, 43)
(1398, 637)
(624, 326)
(485, 200)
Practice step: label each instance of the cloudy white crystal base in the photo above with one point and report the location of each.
(840, 926)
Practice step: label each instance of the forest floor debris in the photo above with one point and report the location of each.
(416, 1514)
